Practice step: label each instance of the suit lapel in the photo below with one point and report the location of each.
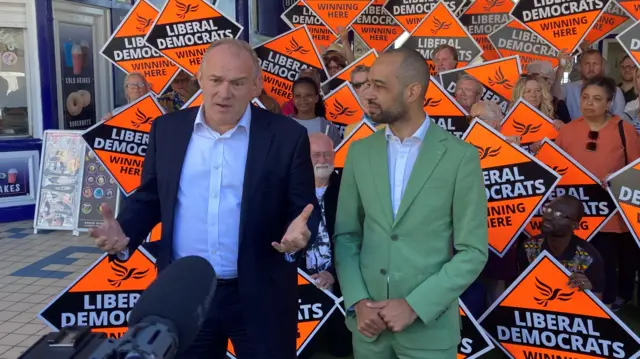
(430, 154)
(379, 165)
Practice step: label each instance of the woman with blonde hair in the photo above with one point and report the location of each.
(135, 86)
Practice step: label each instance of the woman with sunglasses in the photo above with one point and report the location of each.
(603, 144)
(135, 86)
(309, 110)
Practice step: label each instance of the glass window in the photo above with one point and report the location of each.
(14, 115)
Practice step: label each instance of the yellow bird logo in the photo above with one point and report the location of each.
(185, 9)
(123, 274)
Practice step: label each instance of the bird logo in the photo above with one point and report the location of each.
(431, 102)
(295, 47)
(123, 274)
(500, 80)
(550, 294)
(487, 152)
(185, 9)
(340, 110)
(141, 119)
(143, 23)
(525, 129)
(560, 171)
(490, 4)
(439, 25)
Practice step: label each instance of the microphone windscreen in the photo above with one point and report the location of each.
(180, 294)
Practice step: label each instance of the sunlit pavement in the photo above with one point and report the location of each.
(34, 268)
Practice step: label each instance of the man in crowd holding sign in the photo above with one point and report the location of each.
(232, 183)
(410, 197)
(560, 218)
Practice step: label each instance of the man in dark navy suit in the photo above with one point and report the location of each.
(234, 184)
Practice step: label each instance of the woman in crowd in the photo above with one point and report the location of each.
(632, 110)
(338, 55)
(135, 86)
(309, 110)
(603, 144)
(544, 69)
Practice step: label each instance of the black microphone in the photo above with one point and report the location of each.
(178, 299)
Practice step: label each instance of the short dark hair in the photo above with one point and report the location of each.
(413, 68)
(590, 52)
(320, 110)
(451, 49)
(574, 202)
(606, 83)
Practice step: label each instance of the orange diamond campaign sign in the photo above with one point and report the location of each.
(103, 296)
(299, 14)
(516, 184)
(474, 342)
(337, 13)
(440, 27)
(630, 41)
(564, 24)
(410, 13)
(186, 28)
(376, 27)
(345, 74)
(444, 110)
(484, 17)
(498, 77)
(120, 143)
(632, 7)
(612, 18)
(316, 306)
(282, 58)
(516, 39)
(362, 130)
(528, 123)
(578, 182)
(624, 188)
(539, 316)
(127, 50)
(343, 107)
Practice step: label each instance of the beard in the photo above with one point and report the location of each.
(390, 115)
(323, 171)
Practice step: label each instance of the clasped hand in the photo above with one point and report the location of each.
(374, 317)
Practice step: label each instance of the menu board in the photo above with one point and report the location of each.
(98, 187)
(60, 178)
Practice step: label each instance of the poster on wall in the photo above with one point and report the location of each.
(77, 75)
(17, 179)
(98, 187)
(60, 176)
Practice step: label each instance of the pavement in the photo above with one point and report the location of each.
(35, 268)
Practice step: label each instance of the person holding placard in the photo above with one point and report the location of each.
(309, 110)
(468, 91)
(445, 58)
(603, 144)
(411, 229)
(135, 86)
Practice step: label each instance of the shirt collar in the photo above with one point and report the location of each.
(418, 135)
(245, 120)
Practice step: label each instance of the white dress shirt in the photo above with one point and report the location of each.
(207, 217)
(402, 156)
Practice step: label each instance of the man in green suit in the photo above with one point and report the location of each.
(411, 226)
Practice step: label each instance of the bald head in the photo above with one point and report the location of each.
(413, 69)
(319, 139)
(238, 47)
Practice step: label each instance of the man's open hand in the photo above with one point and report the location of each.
(396, 313)
(369, 321)
(109, 237)
(297, 234)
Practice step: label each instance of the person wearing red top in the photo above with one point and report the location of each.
(603, 144)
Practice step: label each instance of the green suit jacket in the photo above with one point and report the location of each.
(443, 207)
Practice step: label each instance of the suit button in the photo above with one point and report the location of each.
(383, 271)
(394, 237)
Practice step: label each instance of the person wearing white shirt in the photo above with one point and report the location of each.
(234, 184)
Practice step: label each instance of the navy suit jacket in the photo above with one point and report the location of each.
(278, 184)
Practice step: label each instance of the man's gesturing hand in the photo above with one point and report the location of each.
(109, 237)
(297, 234)
(369, 321)
(396, 313)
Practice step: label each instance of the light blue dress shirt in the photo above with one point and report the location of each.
(572, 99)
